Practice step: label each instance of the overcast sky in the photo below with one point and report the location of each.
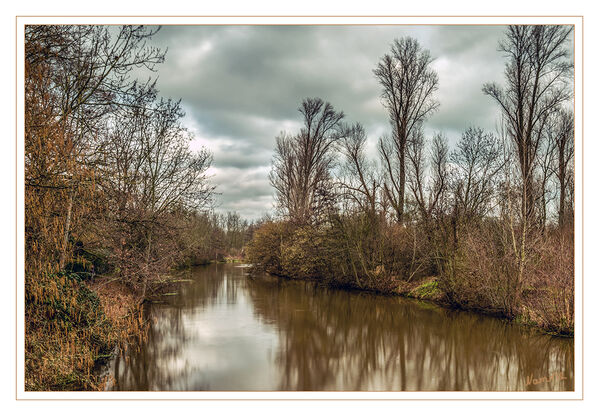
(241, 85)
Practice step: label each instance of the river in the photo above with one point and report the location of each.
(225, 331)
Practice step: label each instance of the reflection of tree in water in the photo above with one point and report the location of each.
(339, 340)
(210, 285)
(158, 364)
(334, 339)
(143, 368)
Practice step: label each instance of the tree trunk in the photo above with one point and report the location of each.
(528, 198)
(402, 183)
(67, 229)
(147, 271)
(562, 203)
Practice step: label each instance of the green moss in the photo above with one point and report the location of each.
(428, 290)
(231, 259)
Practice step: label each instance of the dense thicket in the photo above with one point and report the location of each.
(487, 225)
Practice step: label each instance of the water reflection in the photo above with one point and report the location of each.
(224, 331)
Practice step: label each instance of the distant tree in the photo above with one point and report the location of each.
(302, 164)
(408, 84)
(235, 228)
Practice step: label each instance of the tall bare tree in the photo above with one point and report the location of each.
(302, 163)
(408, 84)
(428, 191)
(536, 84)
(562, 135)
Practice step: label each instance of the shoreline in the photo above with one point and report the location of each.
(426, 290)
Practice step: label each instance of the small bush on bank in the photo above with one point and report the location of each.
(309, 253)
(264, 251)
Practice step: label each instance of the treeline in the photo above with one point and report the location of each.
(487, 225)
(216, 237)
(111, 186)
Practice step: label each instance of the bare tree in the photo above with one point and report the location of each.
(361, 183)
(562, 135)
(429, 177)
(477, 162)
(408, 85)
(149, 173)
(428, 191)
(87, 70)
(536, 85)
(302, 163)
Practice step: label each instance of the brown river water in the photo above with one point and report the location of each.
(224, 331)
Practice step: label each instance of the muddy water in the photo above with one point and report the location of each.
(224, 331)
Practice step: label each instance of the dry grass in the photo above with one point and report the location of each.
(71, 330)
(117, 299)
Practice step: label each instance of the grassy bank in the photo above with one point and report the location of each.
(73, 327)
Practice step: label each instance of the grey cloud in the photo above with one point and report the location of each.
(244, 190)
(241, 85)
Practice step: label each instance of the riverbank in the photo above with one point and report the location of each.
(72, 329)
(74, 325)
(428, 290)
(474, 271)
